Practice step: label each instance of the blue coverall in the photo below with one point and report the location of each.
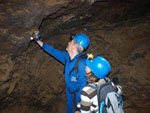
(72, 83)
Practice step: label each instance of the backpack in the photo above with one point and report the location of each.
(109, 97)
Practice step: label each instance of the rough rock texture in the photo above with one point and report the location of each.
(32, 81)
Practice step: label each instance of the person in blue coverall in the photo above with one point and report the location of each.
(74, 83)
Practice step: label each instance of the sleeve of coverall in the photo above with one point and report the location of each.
(59, 55)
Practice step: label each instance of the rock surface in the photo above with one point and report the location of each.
(32, 81)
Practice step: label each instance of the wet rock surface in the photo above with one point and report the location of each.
(32, 81)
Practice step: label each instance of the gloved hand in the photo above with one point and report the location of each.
(36, 36)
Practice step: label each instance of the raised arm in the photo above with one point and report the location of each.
(57, 54)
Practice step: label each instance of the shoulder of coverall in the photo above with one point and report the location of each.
(82, 64)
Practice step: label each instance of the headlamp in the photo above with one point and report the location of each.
(90, 56)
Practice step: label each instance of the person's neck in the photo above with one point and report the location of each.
(72, 54)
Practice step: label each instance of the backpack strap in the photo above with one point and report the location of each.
(94, 86)
(76, 65)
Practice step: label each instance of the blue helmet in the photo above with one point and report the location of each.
(99, 66)
(83, 40)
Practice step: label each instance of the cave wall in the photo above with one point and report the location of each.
(32, 81)
(20, 84)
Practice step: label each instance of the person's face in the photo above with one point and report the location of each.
(87, 69)
(88, 72)
(71, 46)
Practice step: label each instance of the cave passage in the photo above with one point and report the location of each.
(31, 81)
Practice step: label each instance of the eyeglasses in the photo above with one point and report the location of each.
(88, 75)
(72, 35)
